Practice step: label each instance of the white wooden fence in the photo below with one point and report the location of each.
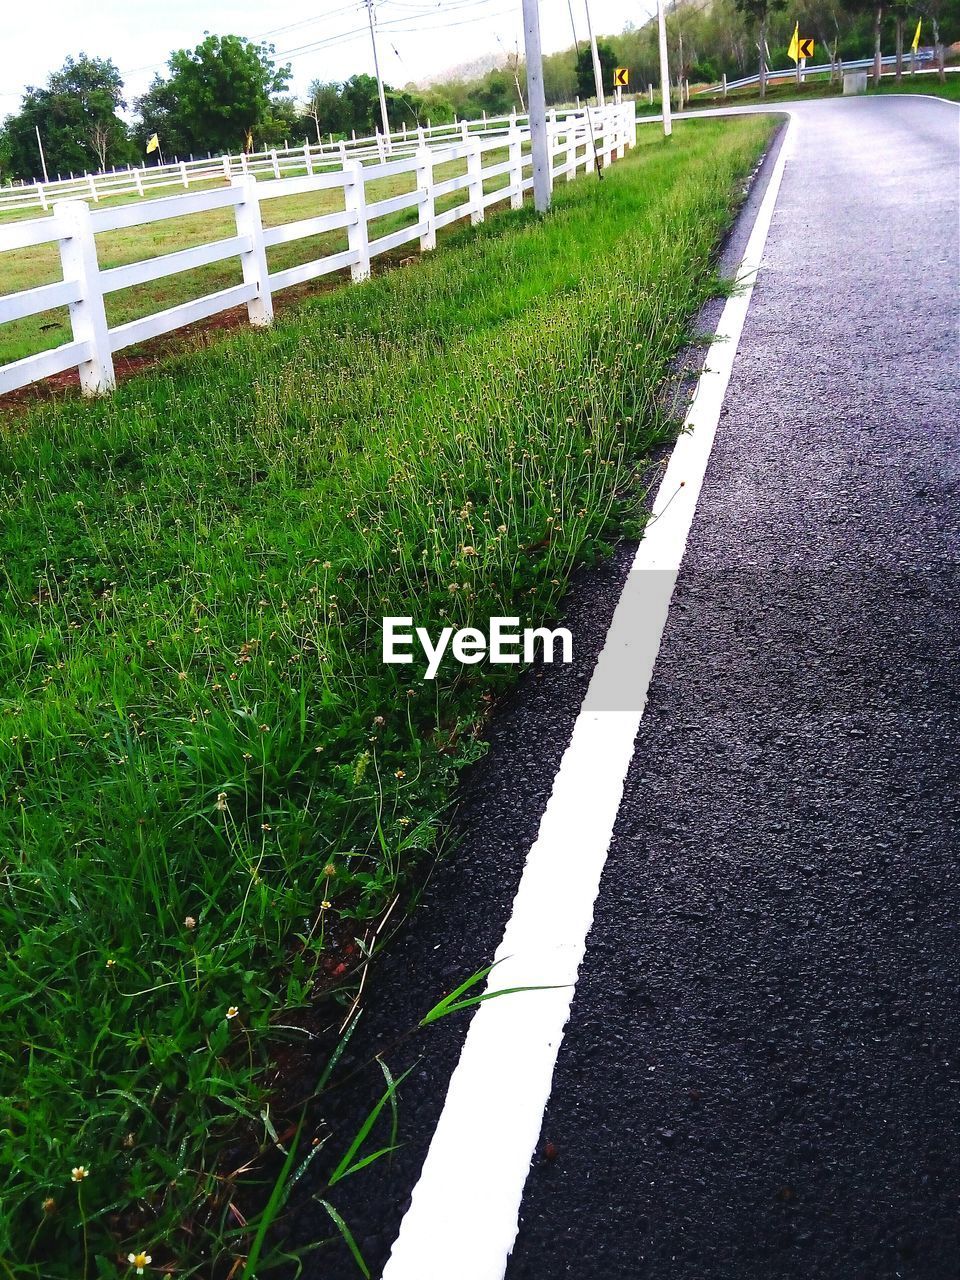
(74, 226)
(307, 159)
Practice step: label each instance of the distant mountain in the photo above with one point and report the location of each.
(471, 70)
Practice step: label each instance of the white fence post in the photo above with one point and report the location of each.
(42, 195)
(307, 157)
(254, 261)
(355, 201)
(138, 182)
(515, 150)
(276, 164)
(88, 319)
(649, 95)
(93, 189)
(227, 168)
(571, 158)
(243, 161)
(427, 209)
(381, 152)
(183, 173)
(464, 130)
(475, 188)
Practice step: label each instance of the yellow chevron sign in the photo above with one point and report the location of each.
(805, 46)
(621, 77)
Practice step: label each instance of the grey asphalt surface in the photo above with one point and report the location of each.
(759, 1078)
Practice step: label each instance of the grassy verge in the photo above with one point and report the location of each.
(207, 772)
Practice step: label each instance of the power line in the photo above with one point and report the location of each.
(394, 25)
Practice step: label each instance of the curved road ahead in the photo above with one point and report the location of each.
(760, 1074)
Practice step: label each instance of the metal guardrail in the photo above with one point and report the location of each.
(924, 56)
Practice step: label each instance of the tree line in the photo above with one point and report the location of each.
(218, 96)
(229, 94)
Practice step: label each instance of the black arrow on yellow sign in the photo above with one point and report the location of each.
(805, 47)
(621, 77)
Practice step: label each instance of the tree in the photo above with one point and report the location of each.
(559, 76)
(877, 55)
(5, 165)
(899, 9)
(76, 114)
(828, 20)
(361, 101)
(586, 81)
(325, 108)
(435, 105)
(157, 110)
(759, 11)
(215, 95)
(933, 10)
(286, 120)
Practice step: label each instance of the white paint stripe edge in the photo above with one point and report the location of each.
(463, 1217)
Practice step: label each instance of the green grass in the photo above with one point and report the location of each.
(950, 89)
(26, 268)
(207, 772)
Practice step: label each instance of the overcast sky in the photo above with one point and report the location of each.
(321, 39)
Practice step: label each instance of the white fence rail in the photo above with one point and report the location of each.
(575, 142)
(306, 159)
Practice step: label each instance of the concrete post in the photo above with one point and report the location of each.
(537, 106)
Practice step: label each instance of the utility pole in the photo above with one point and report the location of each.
(43, 159)
(664, 71)
(376, 67)
(536, 105)
(598, 167)
(597, 74)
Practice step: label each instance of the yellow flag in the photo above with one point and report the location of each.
(794, 50)
(153, 144)
(916, 38)
(249, 142)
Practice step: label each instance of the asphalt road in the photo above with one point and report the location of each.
(760, 1075)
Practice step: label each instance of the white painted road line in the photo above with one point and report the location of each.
(463, 1217)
